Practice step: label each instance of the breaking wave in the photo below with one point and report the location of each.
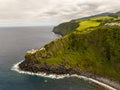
(54, 76)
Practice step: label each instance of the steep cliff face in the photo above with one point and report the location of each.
(66, 28)
(94, 49)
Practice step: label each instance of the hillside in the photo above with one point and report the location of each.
(96, 20)
(88, 45)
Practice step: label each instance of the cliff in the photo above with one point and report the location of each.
(88, 47)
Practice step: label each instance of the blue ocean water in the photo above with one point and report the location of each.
(14, 42)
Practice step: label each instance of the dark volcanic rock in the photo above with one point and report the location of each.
(51, 69)
(61, 69)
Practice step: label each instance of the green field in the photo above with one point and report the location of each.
(83, 25)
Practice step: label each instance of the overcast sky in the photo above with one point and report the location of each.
(52, 11)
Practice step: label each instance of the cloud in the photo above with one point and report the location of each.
(53, 11)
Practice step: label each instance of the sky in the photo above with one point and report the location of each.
(51, 12)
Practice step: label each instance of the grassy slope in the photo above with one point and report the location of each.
(81, 24)
(86, 24)
(94, 49)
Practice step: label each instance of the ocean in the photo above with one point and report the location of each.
(14, 42)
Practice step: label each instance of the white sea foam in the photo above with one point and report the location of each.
(54, 76)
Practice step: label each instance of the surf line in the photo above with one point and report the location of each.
(16, 68)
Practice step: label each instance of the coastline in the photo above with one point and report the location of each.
(104, 82)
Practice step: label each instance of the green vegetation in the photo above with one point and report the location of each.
(87, 24)
(65, 28)
(97, 50)
(84, 25)
(102, 18)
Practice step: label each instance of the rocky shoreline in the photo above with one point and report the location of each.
(62, 70)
